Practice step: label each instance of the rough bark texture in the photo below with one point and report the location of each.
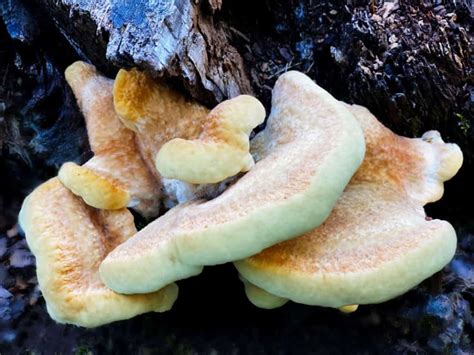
(40, 126)
(174, 38)
(409, 62)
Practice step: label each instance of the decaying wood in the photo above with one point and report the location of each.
(408, 61)
(173, 38)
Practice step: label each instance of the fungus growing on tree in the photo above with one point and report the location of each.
(117, 176)
(222, 148)
(310, 149)
(377, 243)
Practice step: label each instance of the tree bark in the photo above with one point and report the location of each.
(178, 39)
(407, 61)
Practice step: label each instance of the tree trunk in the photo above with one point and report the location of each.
(409, 61)
(178, 39)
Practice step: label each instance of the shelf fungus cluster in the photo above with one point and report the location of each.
(323, 207)
(377, 243)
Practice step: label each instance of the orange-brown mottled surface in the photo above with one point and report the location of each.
(116, 154)
(188, 142)
(300, 149)
(69, 240)
(380, 215)
(156, 112)
(415, 166)
(310, 149)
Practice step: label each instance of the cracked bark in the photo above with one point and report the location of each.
(176, 39)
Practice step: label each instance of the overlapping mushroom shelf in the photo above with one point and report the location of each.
(323, 207)
(377, 243)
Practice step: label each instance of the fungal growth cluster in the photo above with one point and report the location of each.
(377, 243)
(323, 207)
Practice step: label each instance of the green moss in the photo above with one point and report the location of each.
(83, 350)
(463, 123)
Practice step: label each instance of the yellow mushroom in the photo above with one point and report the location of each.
(222, 148)
(155, 112)
(261, 298)
(349, 308)
(377, 243)
(184, 141)
(117, 175)
(310, 149)
(69, 240)
(97, 190)
(126, 130)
